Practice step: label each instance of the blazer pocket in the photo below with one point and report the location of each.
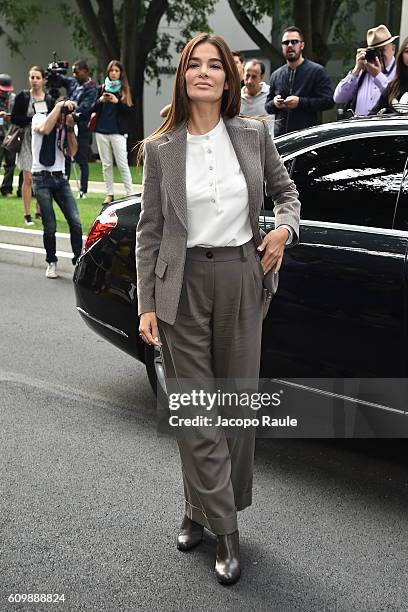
(161, 267)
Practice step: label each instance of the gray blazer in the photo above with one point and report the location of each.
(161, 234)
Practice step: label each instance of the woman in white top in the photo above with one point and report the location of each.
(200, 277)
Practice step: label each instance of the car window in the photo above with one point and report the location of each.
(354, 182)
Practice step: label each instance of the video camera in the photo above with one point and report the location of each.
(55, 70)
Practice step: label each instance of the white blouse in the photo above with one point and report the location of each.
(217, 193)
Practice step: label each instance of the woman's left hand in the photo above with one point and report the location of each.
(273, 246)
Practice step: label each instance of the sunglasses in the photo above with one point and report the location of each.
(292, 41)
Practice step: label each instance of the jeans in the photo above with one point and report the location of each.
(46, 188)
(82, 159)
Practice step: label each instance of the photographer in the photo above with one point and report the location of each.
(53, 138)
(361, 89)
(6, 104)
(81, 90)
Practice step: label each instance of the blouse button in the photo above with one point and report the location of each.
(212, 200)
(210, 167)
(209, 150)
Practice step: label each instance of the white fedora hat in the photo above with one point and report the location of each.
(380, 36)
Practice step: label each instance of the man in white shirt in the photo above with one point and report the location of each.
(52, 138)
(255, 90)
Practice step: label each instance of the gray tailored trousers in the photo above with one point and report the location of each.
(216, 335)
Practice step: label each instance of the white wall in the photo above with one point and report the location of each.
(404, 20)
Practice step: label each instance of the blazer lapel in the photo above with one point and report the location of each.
(245, 141)
(172, 156)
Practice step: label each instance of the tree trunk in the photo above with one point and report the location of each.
(102, 48)
(136, 126)
(259, 39)
(322, 22)
(303, 20)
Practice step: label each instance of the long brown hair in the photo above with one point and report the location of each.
(399, 84)
(180, 110)
(126, 96)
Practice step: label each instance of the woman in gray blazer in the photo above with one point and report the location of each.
(200, 274)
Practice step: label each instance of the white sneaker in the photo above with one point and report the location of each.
(81, 195)
(51, 271)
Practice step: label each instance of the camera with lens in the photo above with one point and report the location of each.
(372, 53)
(76, 116)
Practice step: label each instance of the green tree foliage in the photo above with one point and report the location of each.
(16, 18)
(129, 30)
(318, 19)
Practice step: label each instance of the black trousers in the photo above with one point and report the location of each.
(82, 159)
(9, 165)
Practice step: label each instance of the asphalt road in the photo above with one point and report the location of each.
(91, 499)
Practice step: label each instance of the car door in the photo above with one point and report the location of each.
(340, 308)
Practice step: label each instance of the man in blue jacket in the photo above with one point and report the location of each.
(83, 92)
(299, 90)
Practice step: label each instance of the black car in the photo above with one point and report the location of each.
(338, 325)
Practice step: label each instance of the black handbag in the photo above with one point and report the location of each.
(13, 139)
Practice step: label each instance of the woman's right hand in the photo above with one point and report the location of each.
(148, 329)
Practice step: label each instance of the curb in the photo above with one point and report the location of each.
(24, 247)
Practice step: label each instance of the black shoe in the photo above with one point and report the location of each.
(38, 215)
(28, 220)
(190, 534)
(227, 567)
